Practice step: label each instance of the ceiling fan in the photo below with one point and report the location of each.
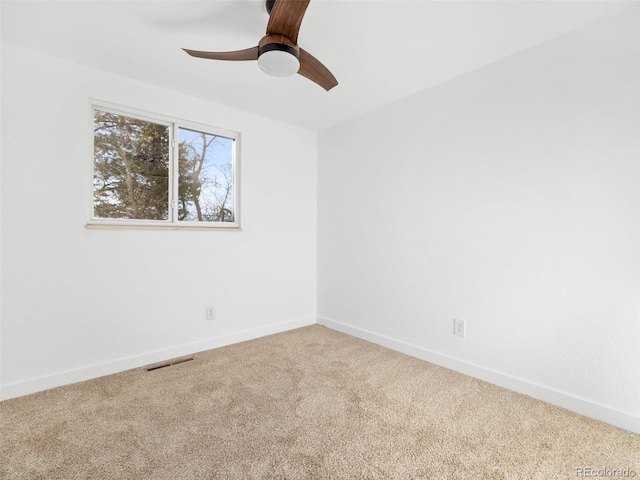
(278, 53)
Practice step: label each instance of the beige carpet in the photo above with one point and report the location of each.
(305, 404)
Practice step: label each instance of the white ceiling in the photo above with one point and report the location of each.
(380, 51)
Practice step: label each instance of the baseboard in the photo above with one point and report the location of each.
(89, 372)
(545, 394)
(575, 404)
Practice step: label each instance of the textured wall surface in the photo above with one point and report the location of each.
(74, 297)
(509, 198)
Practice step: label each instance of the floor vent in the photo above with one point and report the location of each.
(169, 364)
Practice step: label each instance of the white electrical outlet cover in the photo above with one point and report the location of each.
(459, 327)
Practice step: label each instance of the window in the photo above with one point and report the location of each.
(153, 171)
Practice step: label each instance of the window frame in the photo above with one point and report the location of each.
(174, 125)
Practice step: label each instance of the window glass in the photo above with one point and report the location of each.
(130, 168)
(205, 180)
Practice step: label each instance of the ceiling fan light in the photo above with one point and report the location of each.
(278, 60)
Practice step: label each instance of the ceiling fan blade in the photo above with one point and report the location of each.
(311, 68)
(286, 18)
(238, 55)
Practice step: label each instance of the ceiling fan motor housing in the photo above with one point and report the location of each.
(278, 56)
(269, 5)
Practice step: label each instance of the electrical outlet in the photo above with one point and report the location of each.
(211, 313)
(459, 327)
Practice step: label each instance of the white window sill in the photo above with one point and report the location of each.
(168, 226)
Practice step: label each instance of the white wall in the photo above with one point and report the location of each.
(509, 198)
(77, 303)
